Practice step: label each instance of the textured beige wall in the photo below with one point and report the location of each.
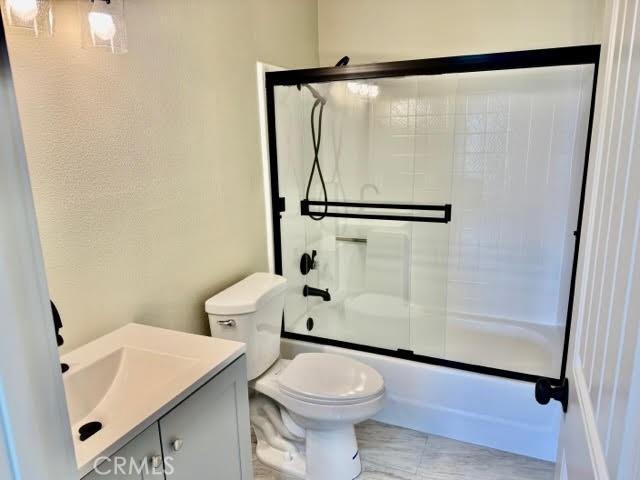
(146, 167)
(286, 32)
(384, 30)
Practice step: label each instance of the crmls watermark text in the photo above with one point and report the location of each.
(133, 466)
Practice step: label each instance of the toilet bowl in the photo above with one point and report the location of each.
(303, 410)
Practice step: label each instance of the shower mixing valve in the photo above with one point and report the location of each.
(308, 262)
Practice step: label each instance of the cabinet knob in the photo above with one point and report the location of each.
(156, 461)
(176, 445)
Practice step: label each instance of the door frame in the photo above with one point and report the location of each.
(548, 57)
(582, 427)
(261, 69)
(35, 435)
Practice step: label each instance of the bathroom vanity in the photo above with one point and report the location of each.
(168, 402)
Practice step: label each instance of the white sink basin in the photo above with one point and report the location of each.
(129, 378)
(110, 383)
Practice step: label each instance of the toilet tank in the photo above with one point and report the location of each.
(250, 311)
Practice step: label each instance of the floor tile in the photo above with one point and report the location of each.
(388, 449)
(445, 459)
(393, 453)
(375, 472)
(262, 472)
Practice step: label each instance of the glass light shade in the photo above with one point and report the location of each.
(103, 25)
(34, 15)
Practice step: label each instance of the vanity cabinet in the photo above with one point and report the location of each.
(141, 458)
(206, 437)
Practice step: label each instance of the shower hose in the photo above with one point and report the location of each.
(316, 134)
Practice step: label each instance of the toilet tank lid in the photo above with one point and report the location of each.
(247, 295)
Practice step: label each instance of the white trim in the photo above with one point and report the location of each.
(261, 69)
(596, 452)
(34, 426)
(629, 458)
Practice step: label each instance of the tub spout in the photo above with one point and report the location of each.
(308, 291)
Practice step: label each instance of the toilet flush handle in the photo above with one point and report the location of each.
(227, 323)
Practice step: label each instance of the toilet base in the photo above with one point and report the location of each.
(329, 454)
(293, 464)
(333, 454)
(322, 454)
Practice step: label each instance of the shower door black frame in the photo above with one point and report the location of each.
(550, 57)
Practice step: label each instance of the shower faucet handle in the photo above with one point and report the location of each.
(308, 262)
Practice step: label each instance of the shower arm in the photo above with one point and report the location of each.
(343, 62)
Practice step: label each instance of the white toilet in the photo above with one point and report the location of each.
(302, 410)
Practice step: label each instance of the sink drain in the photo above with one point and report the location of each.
(89, 429)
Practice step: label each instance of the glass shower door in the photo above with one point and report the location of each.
(445, 223)
(386, 159)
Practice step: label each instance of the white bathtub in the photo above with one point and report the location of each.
(519, 347)
(388, 322)
(475, 408)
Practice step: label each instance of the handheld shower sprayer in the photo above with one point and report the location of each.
(316, 134)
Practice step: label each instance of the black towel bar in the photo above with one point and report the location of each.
(446, 209)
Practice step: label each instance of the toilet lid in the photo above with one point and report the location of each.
(328, 378)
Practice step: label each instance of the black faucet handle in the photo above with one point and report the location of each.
(308, 262)
(57, 322)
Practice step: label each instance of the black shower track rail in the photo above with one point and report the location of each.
(549, 57)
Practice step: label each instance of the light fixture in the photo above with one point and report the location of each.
(35, 15)
(364, 90)
(103, 25)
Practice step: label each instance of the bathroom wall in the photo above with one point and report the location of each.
(146, 167)
(286, 32)
(380, 30)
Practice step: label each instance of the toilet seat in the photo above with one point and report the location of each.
(327, 379)
(322, 413)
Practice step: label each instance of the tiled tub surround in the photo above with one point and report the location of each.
(393, 453)
(505, 149)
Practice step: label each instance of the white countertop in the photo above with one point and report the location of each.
(166, 367)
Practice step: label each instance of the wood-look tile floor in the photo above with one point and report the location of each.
(394, 453)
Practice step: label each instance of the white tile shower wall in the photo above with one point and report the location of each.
(515, 170)
(502, 147)
(434, 146)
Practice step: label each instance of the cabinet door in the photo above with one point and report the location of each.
(207, 436)
(135, 461)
